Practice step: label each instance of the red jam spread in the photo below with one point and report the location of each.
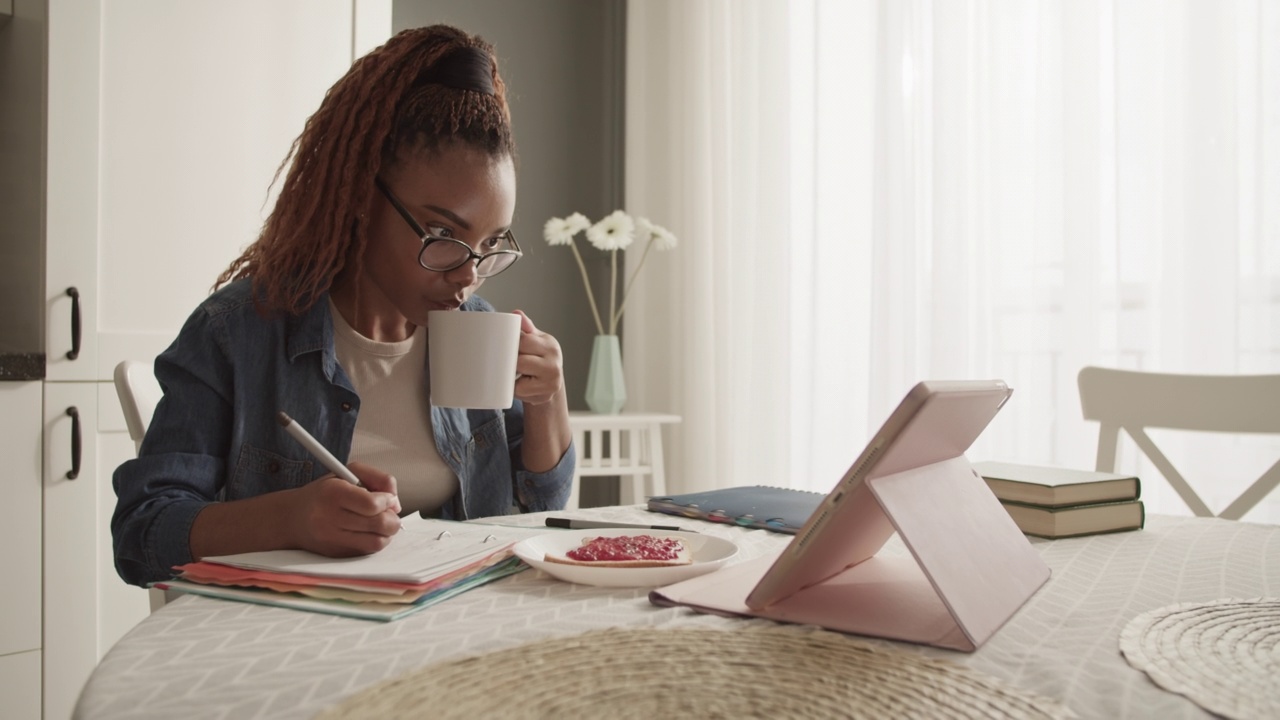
(632, 547)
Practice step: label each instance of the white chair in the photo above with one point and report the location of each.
(1134, 401)
(627, 445)
(139, 392)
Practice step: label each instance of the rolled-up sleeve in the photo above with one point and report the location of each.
(181, 465)
(158, 498)
(538, 492)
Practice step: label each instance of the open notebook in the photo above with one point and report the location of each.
(970, 568)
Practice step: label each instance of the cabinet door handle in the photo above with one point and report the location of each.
(74, 472)
(75, 323)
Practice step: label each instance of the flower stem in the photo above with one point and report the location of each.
(613, 291)
(626, 292)
(586, 282)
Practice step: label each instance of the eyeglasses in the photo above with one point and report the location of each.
(440, 254)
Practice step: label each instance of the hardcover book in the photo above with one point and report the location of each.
(1056, 486)
(1077, 520)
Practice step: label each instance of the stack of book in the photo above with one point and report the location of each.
(1053, 502)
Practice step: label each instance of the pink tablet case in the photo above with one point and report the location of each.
(969, 571)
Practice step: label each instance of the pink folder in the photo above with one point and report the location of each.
(970, 568)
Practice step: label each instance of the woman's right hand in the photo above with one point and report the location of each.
(332, 517)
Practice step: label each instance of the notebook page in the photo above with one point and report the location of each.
(423, 549)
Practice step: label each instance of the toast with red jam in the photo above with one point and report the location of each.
(627, 551)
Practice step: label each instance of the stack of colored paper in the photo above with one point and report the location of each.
(427, 562)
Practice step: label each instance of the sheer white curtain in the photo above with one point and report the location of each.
(871, 193)
(707, 331)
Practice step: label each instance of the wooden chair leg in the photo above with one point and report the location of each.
(658, 478)
(633, 493)
(575, 491)
(584, 460)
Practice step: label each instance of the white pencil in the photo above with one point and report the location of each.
(324, 456)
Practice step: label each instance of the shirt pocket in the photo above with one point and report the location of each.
(261, 471)
(487, 472)
(489, 438)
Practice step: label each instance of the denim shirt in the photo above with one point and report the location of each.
(214, 434)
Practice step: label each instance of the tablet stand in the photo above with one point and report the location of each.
(969, 571)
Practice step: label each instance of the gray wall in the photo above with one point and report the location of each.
(22, 61)
(564, 65)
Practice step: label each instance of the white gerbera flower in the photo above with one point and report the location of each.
(662, 238)
(560, 231)
(644, 229)
(614, 232)
(577, 222)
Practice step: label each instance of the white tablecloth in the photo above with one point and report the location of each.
(206, 658)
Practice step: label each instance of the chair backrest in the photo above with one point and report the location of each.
(1133, 401)
(139, 392)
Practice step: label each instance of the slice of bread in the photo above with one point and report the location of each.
(627, 551)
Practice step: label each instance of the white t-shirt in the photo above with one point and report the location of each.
(393, 431)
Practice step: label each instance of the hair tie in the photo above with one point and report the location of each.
(465, 68)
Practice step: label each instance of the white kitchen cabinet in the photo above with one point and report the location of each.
(166, 123)
(87, 607)
(20, 442)
(20, 685)
(83, 611)
(20, 516)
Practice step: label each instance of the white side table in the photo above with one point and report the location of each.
(628, 445)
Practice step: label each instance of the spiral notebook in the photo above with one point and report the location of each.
(783, 510)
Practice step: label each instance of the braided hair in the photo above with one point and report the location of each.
(399, 99)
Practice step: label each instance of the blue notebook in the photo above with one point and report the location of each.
(783, 510)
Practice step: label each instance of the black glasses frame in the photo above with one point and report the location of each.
(427, 239)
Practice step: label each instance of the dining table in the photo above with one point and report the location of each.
(201, 657)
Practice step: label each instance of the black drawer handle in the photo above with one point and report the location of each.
(74, 472)
(75, 323)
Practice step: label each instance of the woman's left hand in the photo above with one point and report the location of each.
(539, 365)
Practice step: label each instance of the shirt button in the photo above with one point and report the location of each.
(346, 407)
(273, 467)
(528, 482)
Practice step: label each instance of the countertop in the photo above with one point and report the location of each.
(21, 366)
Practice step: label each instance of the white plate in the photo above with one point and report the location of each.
(709, 553)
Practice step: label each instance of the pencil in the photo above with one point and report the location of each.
(315, 448)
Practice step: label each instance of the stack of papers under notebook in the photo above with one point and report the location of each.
(426, 562)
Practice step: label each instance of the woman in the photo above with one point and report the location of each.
(398, 201)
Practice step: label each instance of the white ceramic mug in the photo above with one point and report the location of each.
(473, 358)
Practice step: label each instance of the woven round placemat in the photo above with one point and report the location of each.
(699, 673)
(1223, 655)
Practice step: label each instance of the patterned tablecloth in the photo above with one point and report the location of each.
(205, 658)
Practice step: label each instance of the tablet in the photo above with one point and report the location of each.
(936, 421)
